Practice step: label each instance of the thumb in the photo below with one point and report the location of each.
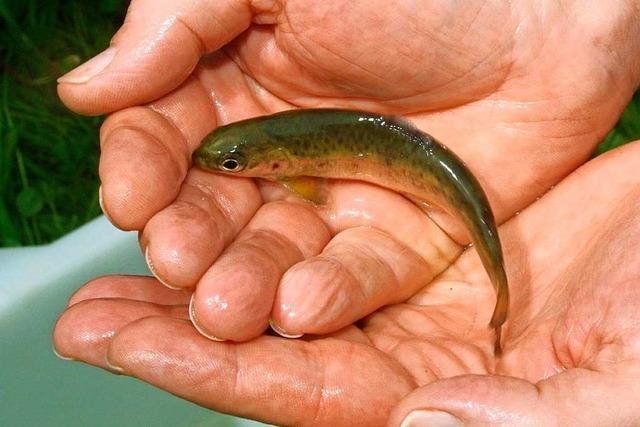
(575, 397)
(154, 51)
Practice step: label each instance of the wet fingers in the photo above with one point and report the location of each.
(233, 300)
(360, 270)
(184, 239)
(84, 330)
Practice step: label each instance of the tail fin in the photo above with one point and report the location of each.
(490, 250)
(501, 308)
(502, 300)
(470, 203)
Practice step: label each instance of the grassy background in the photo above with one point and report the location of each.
(48, 155)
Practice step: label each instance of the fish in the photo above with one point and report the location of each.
(300, 147)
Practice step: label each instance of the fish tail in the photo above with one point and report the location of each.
(484, 231)
(502, 300)
(502, 307)
(471, 204)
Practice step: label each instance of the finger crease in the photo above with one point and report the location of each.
(282, 240)
(225, 210)
(219, 230)
(202, 46)
(319, 388)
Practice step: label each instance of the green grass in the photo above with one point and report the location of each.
(48, 155)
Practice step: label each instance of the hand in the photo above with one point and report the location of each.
(570, 346)
(188, 221)
(491, 80)
(521, 91)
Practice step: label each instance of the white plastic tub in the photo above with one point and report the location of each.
(37, 388)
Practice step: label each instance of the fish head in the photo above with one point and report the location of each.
(241, 150)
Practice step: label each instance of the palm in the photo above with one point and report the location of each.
(468, 77)
(564, 309)
(453, 54)
(342, 64)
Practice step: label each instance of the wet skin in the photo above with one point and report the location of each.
(379, 149)
(521, 90)
(574, 329)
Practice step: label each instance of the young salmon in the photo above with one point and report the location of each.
(293, 146)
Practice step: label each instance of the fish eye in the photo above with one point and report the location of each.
(231, 164)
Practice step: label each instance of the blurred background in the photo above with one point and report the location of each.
(49, 155)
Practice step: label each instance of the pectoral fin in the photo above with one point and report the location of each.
(309, 188)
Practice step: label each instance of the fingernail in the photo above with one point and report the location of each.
(89, 69)
(278, 330)
(59, 355)
(428, 418)
(153, 271)
(101, 203)
(199, 328)
(115, 369)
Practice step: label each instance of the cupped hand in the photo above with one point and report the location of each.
(571, 354)
(521, 91)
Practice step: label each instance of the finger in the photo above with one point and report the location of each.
(380, 208)
(138, 288)
(360, 270)
(146, 150)
(141, 167)
(415, 235)
(283, 382)
(182, 241)
(476, 400)
(146, 153)
(83, 331)
(233, 300)
(154, 51)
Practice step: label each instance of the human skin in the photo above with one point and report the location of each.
(522, 91)
(571, 353)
